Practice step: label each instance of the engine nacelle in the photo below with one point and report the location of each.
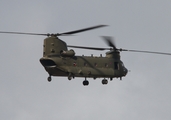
(69, 53)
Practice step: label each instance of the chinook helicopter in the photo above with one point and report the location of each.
(59, 61)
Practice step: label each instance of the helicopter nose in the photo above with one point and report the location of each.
(125, 71)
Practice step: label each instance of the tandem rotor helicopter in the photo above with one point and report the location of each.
(59, 61)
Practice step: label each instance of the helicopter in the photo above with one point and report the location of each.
(57, 60)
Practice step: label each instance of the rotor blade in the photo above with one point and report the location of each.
(91, 48)
(81, 30)
(23, 33)
(161, 53)
(58, 34)
(109, 41)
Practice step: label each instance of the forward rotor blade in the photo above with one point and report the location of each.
(161, 53)
(23, 33)
(58, 34)
(109, 41)
(91, 48)
(81, 30)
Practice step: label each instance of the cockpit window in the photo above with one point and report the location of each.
(122, 64)
(116, 66)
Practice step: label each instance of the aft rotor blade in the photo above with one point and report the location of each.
(23, 33)
(109, 41)
(161, 53)
(81, 30)
(91, 48)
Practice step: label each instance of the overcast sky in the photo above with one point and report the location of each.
(144, 94)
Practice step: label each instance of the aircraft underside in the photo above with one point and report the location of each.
(55, 71)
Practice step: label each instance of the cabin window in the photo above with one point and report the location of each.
(52, 44)
(52, 51)
(106, 65)
(116, 65)
(85, 64)
(95, 64)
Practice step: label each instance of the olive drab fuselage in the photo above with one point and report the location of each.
(59, 61)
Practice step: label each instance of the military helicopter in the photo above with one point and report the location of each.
(59, 61)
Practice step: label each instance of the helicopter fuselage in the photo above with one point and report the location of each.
(84, 66)
(59, 61)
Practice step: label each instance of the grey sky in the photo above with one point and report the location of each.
(144, 94)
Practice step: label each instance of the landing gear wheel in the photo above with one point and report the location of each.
(104, 81)
(85, 82)
(69, 77)
(111, 79)
(49, 79)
